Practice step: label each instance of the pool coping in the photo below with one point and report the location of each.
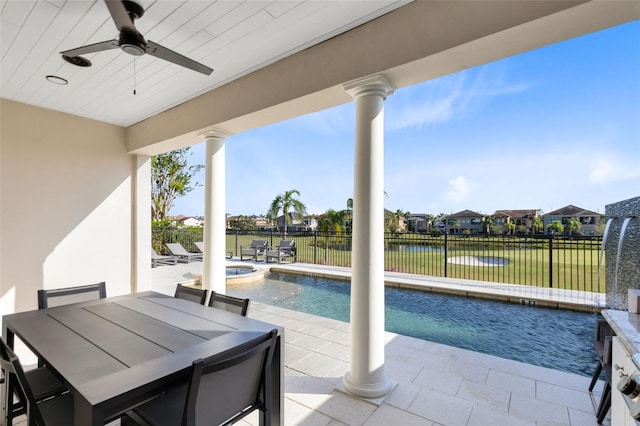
(573, 300)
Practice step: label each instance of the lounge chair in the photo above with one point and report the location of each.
(286, 249)
(200, 246)
(257, 248)
(160, 259)
(181, 253)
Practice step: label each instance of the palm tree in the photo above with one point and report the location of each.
(538, 224)
(455, 225)
(556, 227)
(574, 225)
(286, 202)
(489, 223)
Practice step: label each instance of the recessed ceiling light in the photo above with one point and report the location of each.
(57, 80)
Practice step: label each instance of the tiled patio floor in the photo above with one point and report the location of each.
(437, 384)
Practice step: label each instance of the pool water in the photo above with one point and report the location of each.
(558, 339)
(232, 271)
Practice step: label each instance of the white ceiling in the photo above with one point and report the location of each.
(233, 37)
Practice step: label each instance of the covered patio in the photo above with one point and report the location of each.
(75, 172)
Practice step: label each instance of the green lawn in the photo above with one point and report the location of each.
(572, 266)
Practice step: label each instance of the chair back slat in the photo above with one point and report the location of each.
(48, 298)
(229, 303)
(192, 294)
(243, 373)
(259, 244)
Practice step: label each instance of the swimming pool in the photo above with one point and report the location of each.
(562, 340)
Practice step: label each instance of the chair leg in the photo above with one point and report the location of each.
(596, 374)
(605, 403)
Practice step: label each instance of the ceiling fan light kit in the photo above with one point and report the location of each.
(77, 60)
(130, 40)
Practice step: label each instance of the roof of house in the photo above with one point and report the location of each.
(464, 213)
(571, 210)
(516, 214)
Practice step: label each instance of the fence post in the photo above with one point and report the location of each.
(446, 252)
(550, 261)
(237, 242)
(315, 246)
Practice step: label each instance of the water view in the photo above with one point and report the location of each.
(552, 338)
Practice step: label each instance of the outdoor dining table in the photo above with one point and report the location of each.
(118, 352)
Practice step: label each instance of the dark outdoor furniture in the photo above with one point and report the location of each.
(181, 253)
(222, 389)
(23, 390)
(118, 353)
(63, 296)
(256, 249)
(161, 259)
(189, 293)
(285, 250)
(603, 348)
(229, 303)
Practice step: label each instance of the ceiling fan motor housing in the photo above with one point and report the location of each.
(132, 42)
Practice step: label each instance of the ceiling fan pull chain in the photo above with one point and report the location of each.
(134, 75)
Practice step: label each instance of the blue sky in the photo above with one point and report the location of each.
(555, 126)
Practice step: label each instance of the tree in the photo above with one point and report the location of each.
(171, 178)
(455, 226)
(538, 224)
(333, 221)
(243, 223)
(556, 227)
(286, 202)
(489, 223)
(573, 225)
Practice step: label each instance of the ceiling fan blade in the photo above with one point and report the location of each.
(90, 48)
(161, 52)
(120, 15)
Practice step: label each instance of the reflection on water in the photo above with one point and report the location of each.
(552, 338)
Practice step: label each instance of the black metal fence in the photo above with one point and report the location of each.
(541, 261)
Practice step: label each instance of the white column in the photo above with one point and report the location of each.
(141, 261)
(366, 377)
(214, 263)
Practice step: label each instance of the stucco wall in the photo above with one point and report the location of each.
(65, 204)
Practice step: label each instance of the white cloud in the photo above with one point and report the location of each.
(460, 189)
(440, 100)
(606, 170)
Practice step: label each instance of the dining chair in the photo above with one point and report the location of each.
(236, 305)
(48, 298)
(189, 293)
(52, 409)
(222, 389)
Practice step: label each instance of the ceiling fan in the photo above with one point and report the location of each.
(124, 13)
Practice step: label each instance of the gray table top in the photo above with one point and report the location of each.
(123, 347)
